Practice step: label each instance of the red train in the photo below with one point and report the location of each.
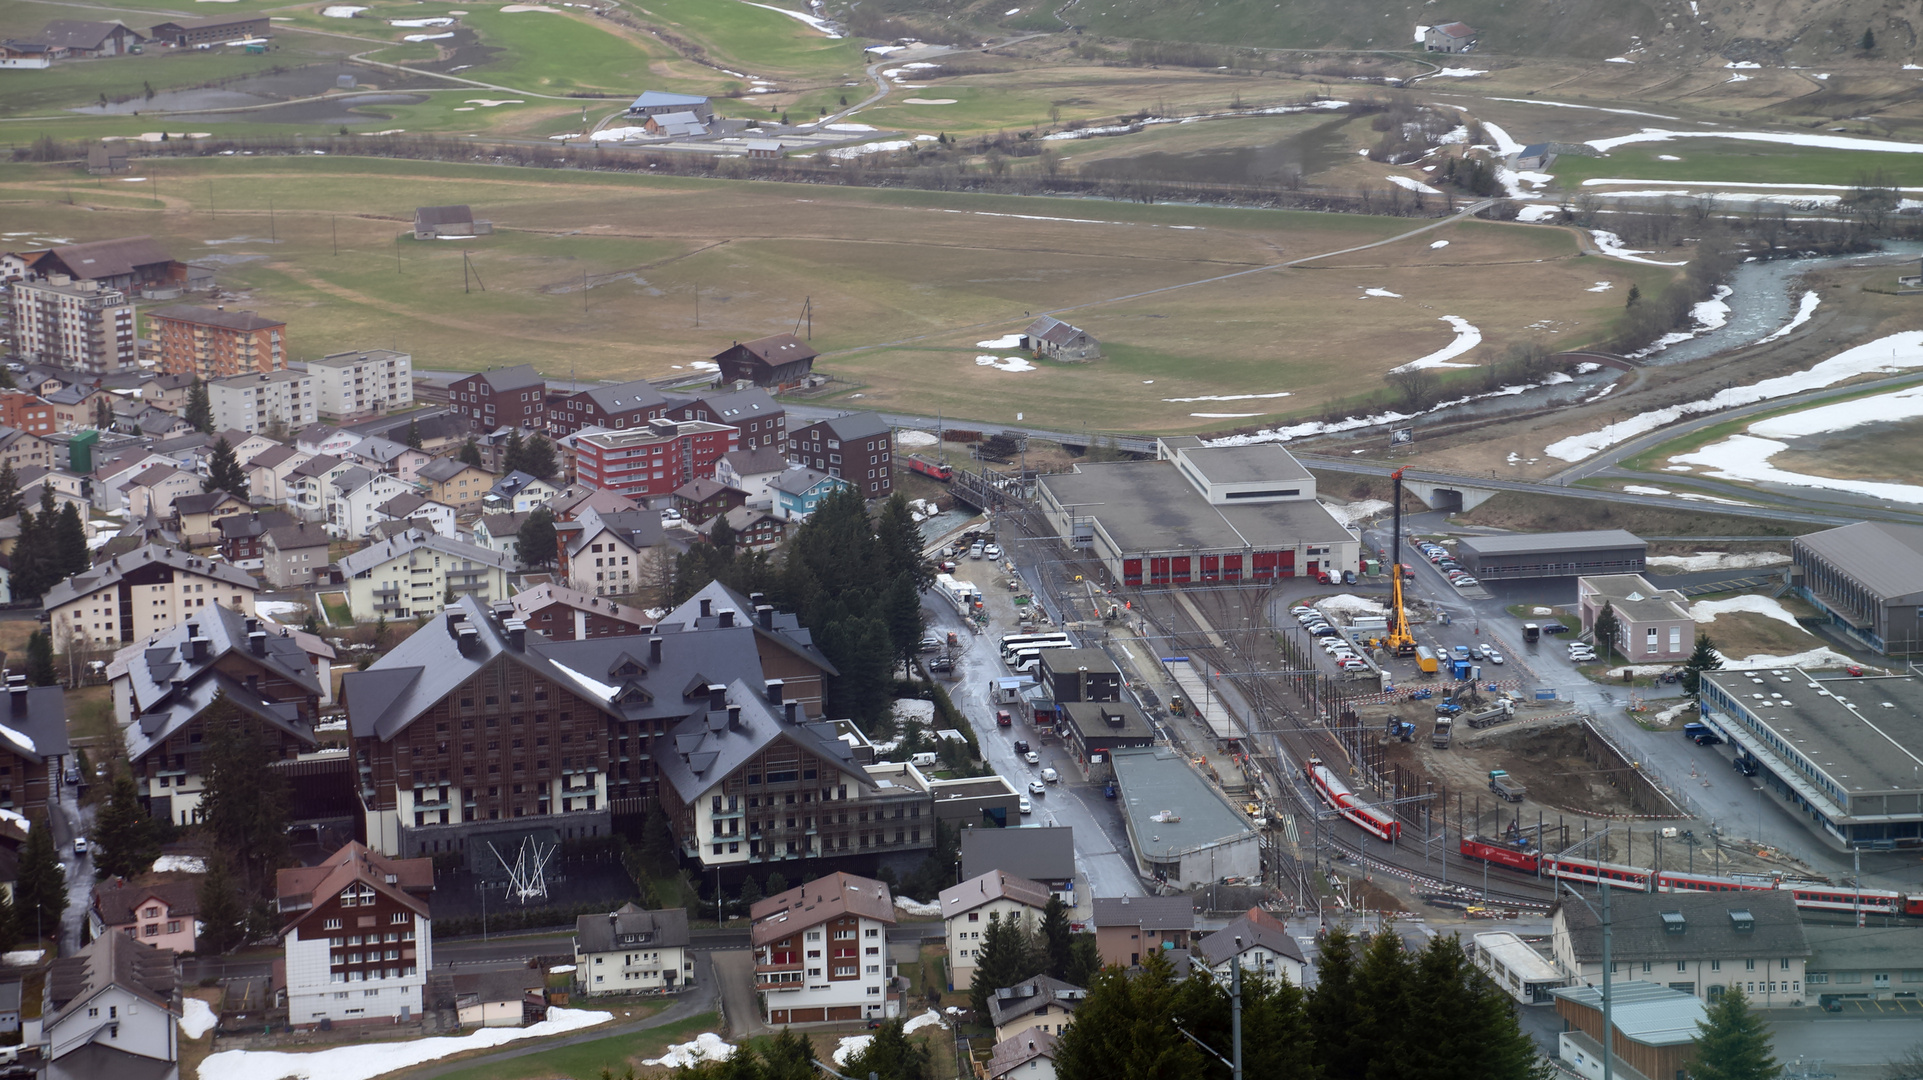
(936, 469)
(1376, 823)
(1810, 896)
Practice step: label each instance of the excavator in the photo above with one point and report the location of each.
(1399, 641)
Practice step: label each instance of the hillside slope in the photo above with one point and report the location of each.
(1780, 31)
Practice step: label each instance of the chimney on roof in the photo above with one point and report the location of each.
(765, 615)
(197, 647)
(727, 617)
(775, 688)
(516, 634)
(734, 718)
(17, 693)
(756, 598)
(257, 642)
(707, 607)
(794, 710)
(717, 697)
(467, 638)
(455, 617)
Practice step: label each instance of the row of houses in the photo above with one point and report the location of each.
(75, 39)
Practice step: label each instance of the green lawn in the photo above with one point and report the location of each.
(549, 53)
(585, 1061)
(1734, 161)
(757, 42)
(49, 93)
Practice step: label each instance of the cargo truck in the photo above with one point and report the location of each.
(1445, 726)
(1531, 632)
(1495, 714)
(1505, 787)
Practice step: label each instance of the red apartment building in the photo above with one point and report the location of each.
(654, 460)
(26, 412)
(506, 397)
(213, 343)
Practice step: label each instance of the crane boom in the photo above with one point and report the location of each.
(1400, 641)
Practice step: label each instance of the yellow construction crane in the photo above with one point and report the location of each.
(1400, 641)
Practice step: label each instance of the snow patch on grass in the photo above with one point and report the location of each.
(1467, 337)
(374, 1059)
(196, 1018)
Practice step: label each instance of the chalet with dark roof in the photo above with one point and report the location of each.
(620, 406)
(111, 1010)
(779, 361)
(433, 222)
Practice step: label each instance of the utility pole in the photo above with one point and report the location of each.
(1609, 1055)
(1235, 1011)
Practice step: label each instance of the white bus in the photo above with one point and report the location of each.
(1025, 658)
(1014, 643)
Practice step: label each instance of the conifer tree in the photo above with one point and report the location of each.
(1057, 941)
(224, 472)
(40, 893)
(413, 438)
(243, 802)
(103, 414)
(535, 543)
(1007, 956)
(513, 456)
(1333, 1009)
(471, 452)
(223, 915)
(125, 841)
(199, 411)
(1704, 658)
(537, 457)
(40, 669)
(1606, 627)
(1125, 1029)
(70, 542)
(1734, 1042)
(891, 1054)
(10, 502)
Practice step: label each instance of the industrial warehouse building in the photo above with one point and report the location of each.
(1548, 555)
(1839, 751)
(1200, 514)
(1867, 579)
(1181, 830)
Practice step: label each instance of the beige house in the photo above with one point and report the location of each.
(268, 473)
(967, 908)
(456, 483)
(1653, 626)
(144, 592)
(610, 554)
(1129, 927)
(1698, 943)
(293, 554)
(156, 488)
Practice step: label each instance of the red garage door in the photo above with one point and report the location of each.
(1178, 569)
(1211, 567)
(1287, 567)
(1158, 571)
(1131, 571)
(1231, 568)
(1265, 562)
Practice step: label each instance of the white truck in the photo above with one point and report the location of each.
(960, 595)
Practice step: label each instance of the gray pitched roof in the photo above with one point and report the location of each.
(622, 397)
(377, 449)
(665, 675)
(1147, 912)
(33, 720)
(76, 34)
(1639, 931)
(443, 215)
(404, 504)
(994, 885)
(318, 465)
(442, 469)
(257, 523)
(109, 573)
(783, 627)
(272, 456)
(511, 484)
(204, 501)
(631, 926)
(1012, 1053)
(1220, 945)
(1031, 995)
(111, 258)
(169, 686)
(851, 426)
(764, 459)
(801, 481)
(713, 744)
(354, 478)
(518, 377)
(740, 405)
(385, 551)
(1884, 557)
(636, 528)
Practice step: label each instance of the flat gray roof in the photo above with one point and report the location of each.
(1635, 599)
(1096, 720)
(1860, 734)
(1062, 661)
(1247, 464)
(1884, 558)
(1527, 543)
(1159, 781)
(1645, 1012)
(1148, 506)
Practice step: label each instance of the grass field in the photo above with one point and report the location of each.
(585, 1061)
(1733, 161)
(912, 280)
(1548, 513)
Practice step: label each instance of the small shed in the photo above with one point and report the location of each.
(1450, 37)
(511, 998)
(1058, 340)
(106, 160)
(1535, 156)
(769, 149)
(433, 222)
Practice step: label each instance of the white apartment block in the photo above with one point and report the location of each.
(145, 592)
(75, 324)
(362, 383)
(967, 908)
(254, 403)
(358, 937)
(821, 951)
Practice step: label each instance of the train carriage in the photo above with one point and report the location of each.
(1475, 847)
(1590, 871)
(1329, 786)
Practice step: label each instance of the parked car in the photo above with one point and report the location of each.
(1021, 746)
(976, 550)
(942, 663)
(1026, 806)
(1495, 657)
(1032, 758)
(1554, 628)
(1050, 776)
(1478, 651)
(992, 551)
(1326, 631)
(1351, 663)
(1036, 787)
(79, 845)
(1447, 708)
(930, 644)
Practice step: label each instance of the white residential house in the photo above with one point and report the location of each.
(1027, 1056)
(500, 532)
(632, 950)
(359, 937)
(517, 493)
(821, 951)
(112, 1010)
(1263, 943)
(413, 506)
(260, 401)
(311, 483)
(246, 447)
(353, 497)
(362, 383)
(322, 439)
(388, 456)
(110, 476)
(412, 573)
(966, 909)
(608, 555)
(753, 471)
